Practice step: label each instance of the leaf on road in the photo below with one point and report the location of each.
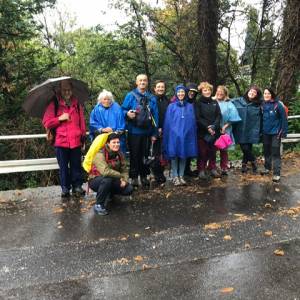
(59, 226)
(247, 246)
(168, 195)
(227, 290)
(124, 238)
(136, 235)
(139, 258)
(277, 189)
(268, 205)
(58, 210)
(239, 215)
(279, 252)
(212, 226)
(122, 261)
(268, 233)
(227, 238)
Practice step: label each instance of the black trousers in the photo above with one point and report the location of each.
(108, 186)
(247, 153)
(156, 167)
(138, 151)
(271, 144)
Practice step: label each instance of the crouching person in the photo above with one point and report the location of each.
(108, 175)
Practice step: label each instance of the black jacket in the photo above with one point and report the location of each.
(162, 104)
(208, 113)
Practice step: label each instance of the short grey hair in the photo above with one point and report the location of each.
(105, 94)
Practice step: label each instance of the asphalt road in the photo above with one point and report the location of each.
(212, 240)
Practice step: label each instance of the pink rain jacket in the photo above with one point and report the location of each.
(68, 133)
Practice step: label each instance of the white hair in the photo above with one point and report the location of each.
(105, 94)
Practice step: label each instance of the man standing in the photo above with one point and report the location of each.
(65, 115)
(141, 113)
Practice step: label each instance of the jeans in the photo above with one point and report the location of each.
(70, 171)
(108, 186)
(271, 144)
(177, 166)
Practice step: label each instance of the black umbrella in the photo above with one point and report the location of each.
(40, 96)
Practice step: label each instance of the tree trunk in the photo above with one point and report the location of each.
(288, 67)
(208, 16)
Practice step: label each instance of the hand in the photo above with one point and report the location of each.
(223, 130)
(107, 130)
(160, 131)
(153, 139)
(64, 117)
(83, 147)
(122, 183)
(211, 131)
(131, 115)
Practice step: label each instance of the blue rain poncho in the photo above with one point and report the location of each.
(179, 131)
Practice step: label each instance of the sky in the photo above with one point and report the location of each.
(93, 12)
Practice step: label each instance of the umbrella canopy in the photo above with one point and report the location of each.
(40, 96)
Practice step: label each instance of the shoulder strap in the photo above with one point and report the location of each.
(55, 100)
(136, 96)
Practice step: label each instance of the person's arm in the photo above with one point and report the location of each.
(50, 120)
(120, 120)
(218, 118)
(283, 119)
(127, 105)
(101, 165)
(95, 124)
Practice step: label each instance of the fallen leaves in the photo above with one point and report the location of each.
(138, 258)
(268, 205)
(136, 235)
(227, 290)
(247, 246)
(268, 233)
(279, 252)
(122, 261)
(58, 210)
(212, 226)
(227, 238)
(168, 195)
(277, 189)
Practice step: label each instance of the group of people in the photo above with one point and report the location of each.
(156, 131)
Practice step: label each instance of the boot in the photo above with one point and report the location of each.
(254, 167)
(244, 168)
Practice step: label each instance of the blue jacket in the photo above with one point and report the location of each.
(249, 129)
(179, 131)
(274, 118)
(102, 117)
(130, 103)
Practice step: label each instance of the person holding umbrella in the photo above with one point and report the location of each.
(65, 115)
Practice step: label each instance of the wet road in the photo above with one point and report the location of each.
(212, 240)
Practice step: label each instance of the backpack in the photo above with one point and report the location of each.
(143, 117)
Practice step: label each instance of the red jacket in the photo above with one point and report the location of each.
(68, 133)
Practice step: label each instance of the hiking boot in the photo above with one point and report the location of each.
(254, 167)
(65, 194)
(244, 168)
(161, 179)
(191, 173)
(100, 210)
(78, 191)
(224, 173)
(182, 181)
(145, 182)
(214, 173)
(176, 181)
(265, 172)
(202, 175)
(135, 182)
(276, 178)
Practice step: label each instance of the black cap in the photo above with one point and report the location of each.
(112, 136)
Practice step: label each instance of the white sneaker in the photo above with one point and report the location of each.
(276, 178)
(176, 181)
(182, 181)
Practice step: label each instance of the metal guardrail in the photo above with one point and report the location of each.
(43, 164)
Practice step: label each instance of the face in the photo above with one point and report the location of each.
(252, 94)
(191, 94)
(142, 82)
(66, 90)
(180, 94)
(106, 102)
(114, 145)
(267, 95)
(160, 89)
(206, 92)
(220, 95)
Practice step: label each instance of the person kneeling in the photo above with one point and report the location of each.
(108, 175)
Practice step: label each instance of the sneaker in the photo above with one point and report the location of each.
(100, 210)
(78, 191)
(176, 181)
(182, 181)
(135, 182)
(244, 168)
(254, 167)
(145, 182)
(214, 173)
(202, 175)
(276, 178)
(265, 172)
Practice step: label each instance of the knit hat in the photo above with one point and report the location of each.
(192, 87)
